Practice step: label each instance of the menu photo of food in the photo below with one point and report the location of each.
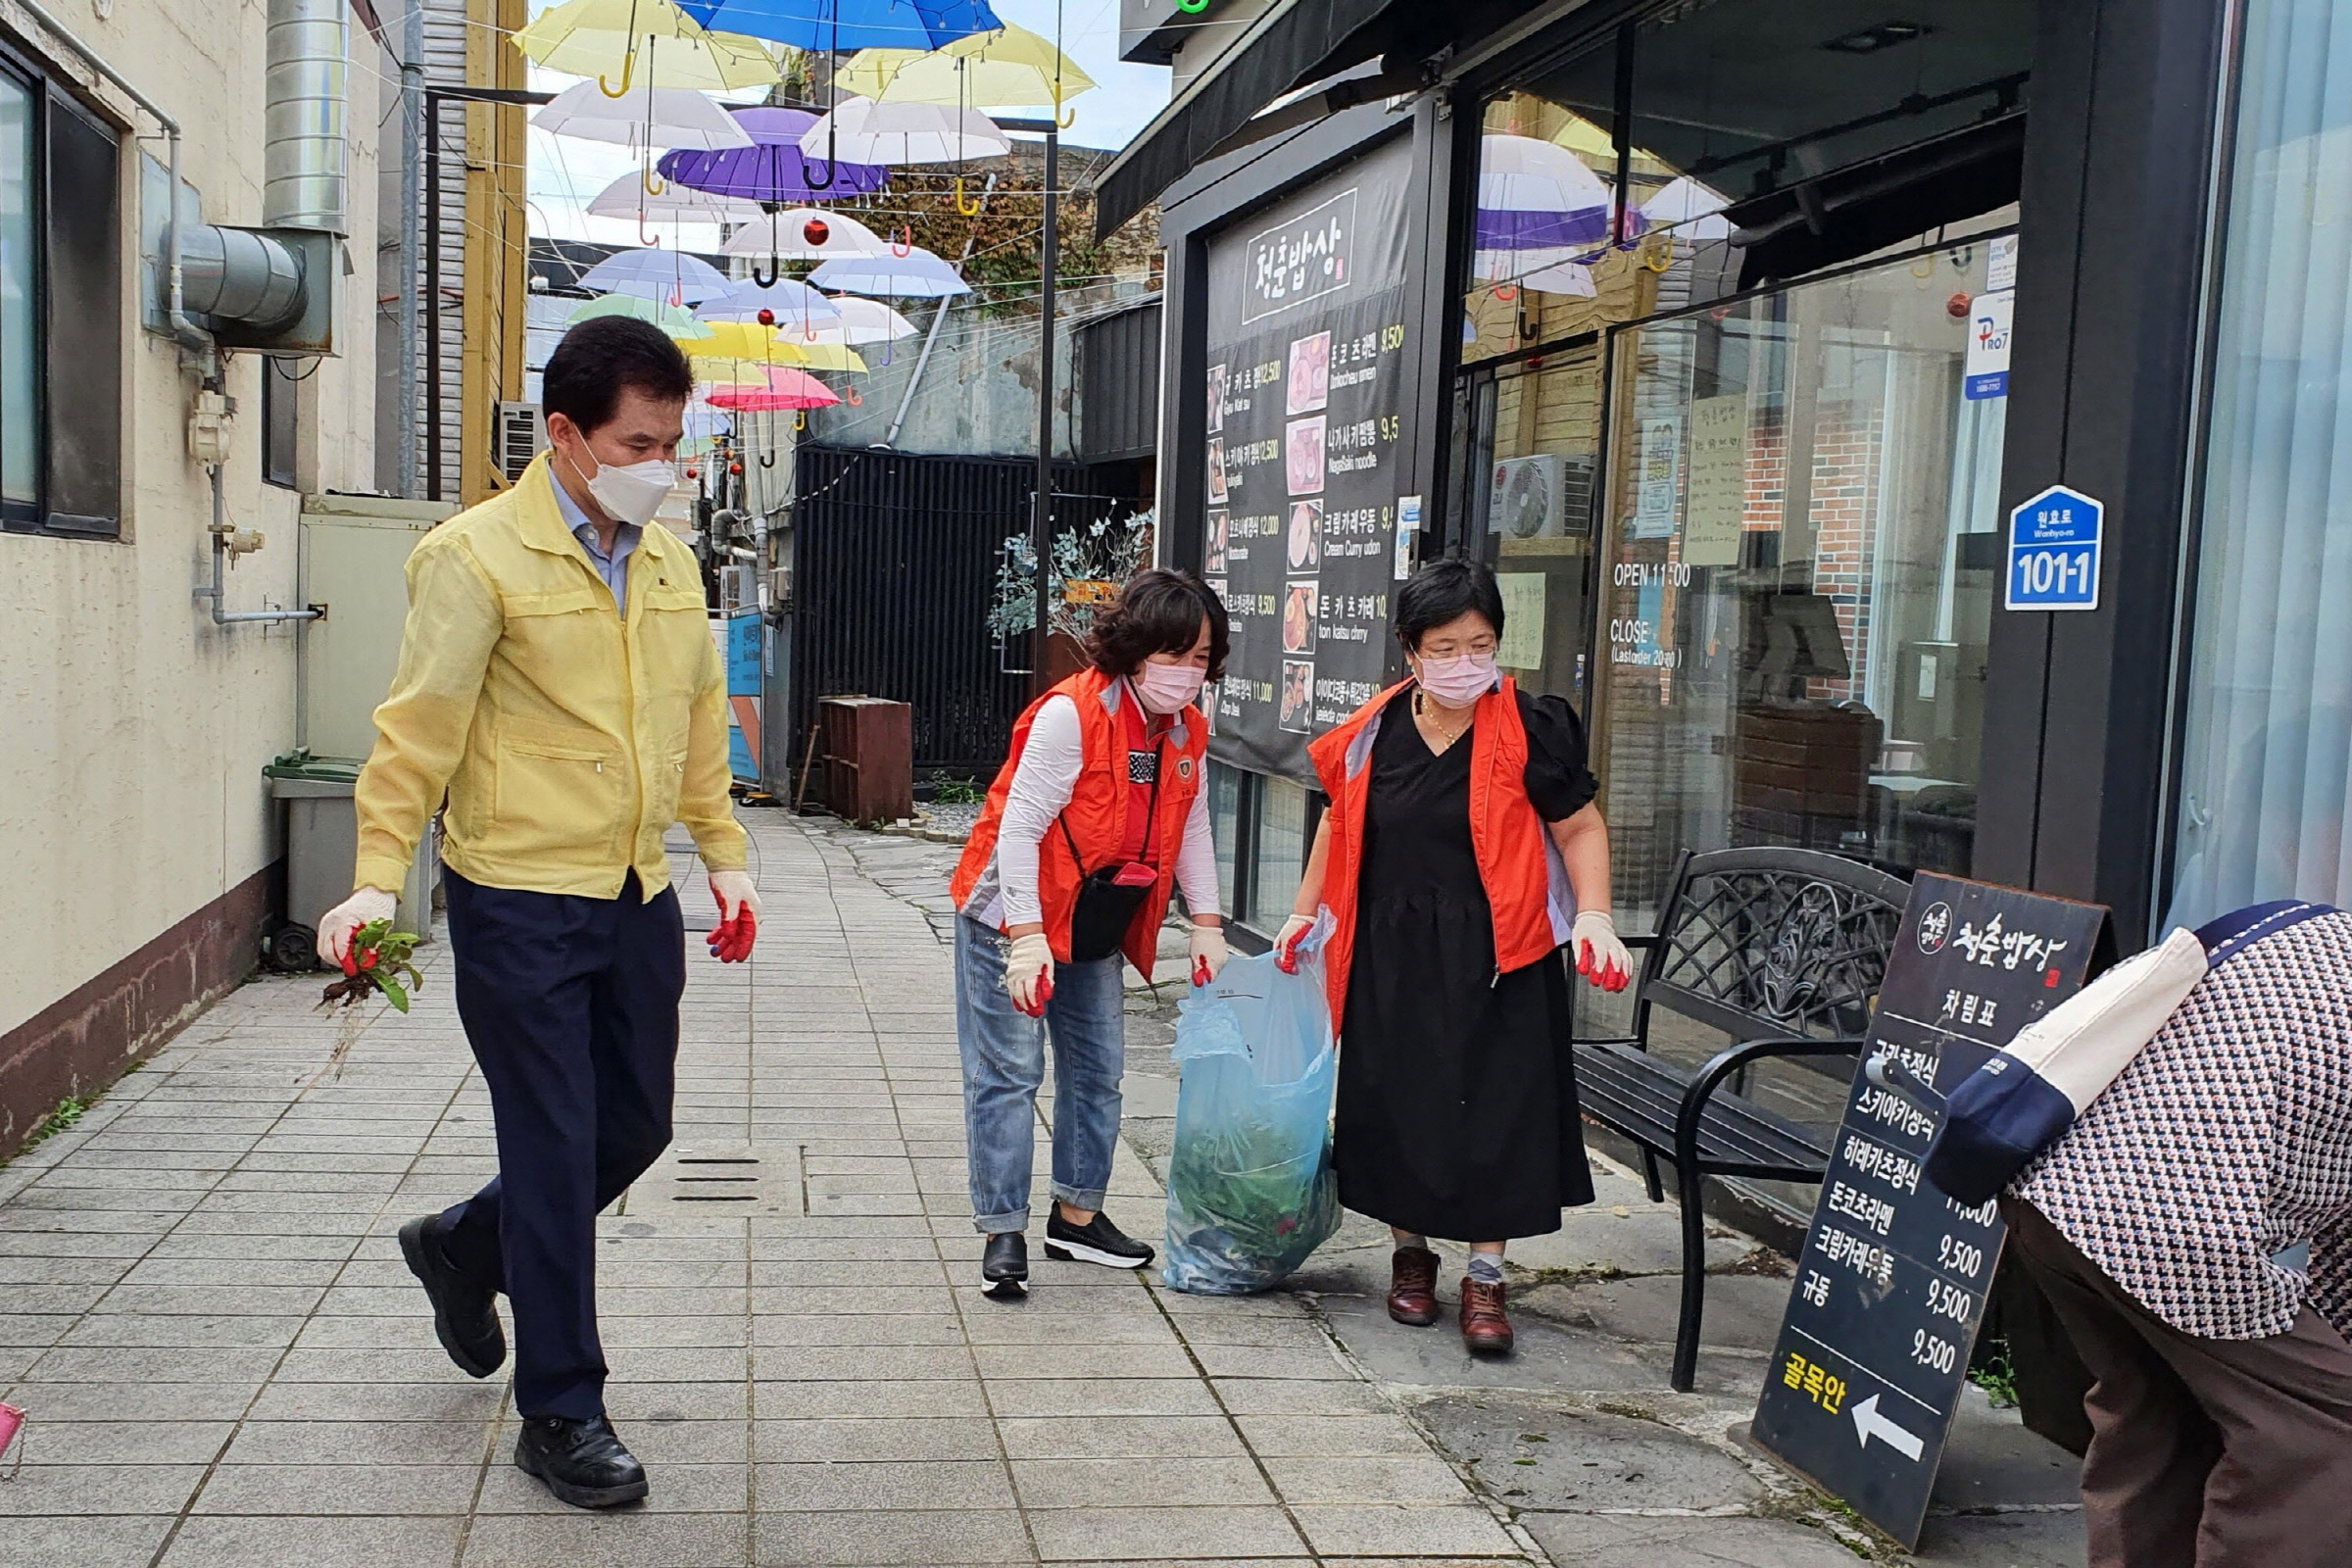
(1311, 374)
(1298, 619)
(1302, 452)
(1304, 546)
(1298, 709)
(1217, 399)
(1220, 534)
(1216, 470)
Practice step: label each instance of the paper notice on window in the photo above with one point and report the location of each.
(1522, 620)
(1716, 497)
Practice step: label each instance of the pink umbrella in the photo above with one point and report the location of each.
(786, 388)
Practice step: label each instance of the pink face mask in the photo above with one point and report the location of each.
(1457, 679)
(1168, 688)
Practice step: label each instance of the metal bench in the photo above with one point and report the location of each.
(1782, 949)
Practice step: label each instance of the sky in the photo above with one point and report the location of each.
(565, 172)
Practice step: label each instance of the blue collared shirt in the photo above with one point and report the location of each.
(614, 568)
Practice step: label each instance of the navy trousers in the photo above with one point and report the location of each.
(572, 1006)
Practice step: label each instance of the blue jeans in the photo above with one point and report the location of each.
(1003, 1062)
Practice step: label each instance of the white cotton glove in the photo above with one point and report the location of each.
(730, 940)
(336, 925)
(1208, 952)
(1029, 973)
(1293, 931)
(734, 890)
(1601, 957)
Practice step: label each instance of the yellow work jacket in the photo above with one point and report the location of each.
(567, 736)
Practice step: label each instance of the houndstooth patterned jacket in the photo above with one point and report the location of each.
(2228, 1141)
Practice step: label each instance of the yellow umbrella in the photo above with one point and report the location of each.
(827, 355)
(1009, 67)
(745, 341)
(644, 44)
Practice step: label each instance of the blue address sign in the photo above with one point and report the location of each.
(2054, 551)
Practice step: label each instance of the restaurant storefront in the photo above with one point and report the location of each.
(1729, 333)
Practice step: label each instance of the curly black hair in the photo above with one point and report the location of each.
(1159, 612)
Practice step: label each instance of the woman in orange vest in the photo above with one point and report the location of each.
(1460, 851)
(1097, 813)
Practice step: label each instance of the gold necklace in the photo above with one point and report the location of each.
(1421, 710)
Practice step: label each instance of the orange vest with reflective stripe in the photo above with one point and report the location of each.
(1526, 881)
(1097, 813)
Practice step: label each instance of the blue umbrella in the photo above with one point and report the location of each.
(670, 277)
(841, 24)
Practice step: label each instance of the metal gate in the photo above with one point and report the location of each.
(894, 572)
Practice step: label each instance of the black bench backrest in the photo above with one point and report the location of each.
(1762, 942)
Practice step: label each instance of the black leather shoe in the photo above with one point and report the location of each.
(581, 1463)
(1098, 1240)
(465, 1314)
(1005, 1266)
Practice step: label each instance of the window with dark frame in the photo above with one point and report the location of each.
(60, 312)
(281, 425)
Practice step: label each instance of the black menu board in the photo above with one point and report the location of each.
(1310, 393)
(1892, 1285)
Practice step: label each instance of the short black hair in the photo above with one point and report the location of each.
(1159, 612)
(1444, 591)
(600, 356)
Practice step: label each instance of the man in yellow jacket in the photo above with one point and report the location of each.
(558, 684)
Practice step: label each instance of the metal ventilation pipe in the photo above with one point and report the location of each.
(304, 169)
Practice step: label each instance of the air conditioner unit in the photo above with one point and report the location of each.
(1527, 500)
(521, 436)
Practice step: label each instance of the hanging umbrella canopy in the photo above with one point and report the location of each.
(646, 119)
(1562, 277)
(784, 389)
(1686, 202)
(842, 25)
(1535, 193)
(627, 197)
(806, 234)
(917, 274)
(1010, 67)
(654, 273)
(893, 132)
(644, 44)
(789, 304)
(772, 167)
(823, 355)
(745, 342)
(670, 318)
(863, 321)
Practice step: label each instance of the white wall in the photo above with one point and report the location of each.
(133, 730)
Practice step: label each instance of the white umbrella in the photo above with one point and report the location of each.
(655, 275)
(861, 131)
(865, 321)
(627, 197)
(1566, 277)
(1687, 202)
(807, 234)
(790, 304)
(1536, 193)
(917, 274)
(1514, 265)
(645, 118)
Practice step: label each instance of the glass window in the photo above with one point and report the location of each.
(1281, 850)
(281, 422)
(2266, 761)
(1225, 827)
(19, 306)
(1799, 579)
(1537, 428)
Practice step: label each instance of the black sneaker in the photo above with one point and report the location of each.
(1098, 1240)
(465, 1314)
(1005, 1266)
(581, 1463)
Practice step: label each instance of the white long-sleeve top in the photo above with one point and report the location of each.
(1041, 785)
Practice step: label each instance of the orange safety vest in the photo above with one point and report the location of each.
(1525, 879)
(1097, 813)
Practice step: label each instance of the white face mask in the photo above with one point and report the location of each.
(633, 493)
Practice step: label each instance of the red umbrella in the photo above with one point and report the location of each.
(786, 388)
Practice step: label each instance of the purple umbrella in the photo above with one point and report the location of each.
(774, 168)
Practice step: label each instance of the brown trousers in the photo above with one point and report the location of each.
(2204, 1453)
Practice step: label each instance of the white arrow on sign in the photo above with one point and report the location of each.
(1869, 1424)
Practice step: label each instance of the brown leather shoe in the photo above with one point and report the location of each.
(1413, 1286)
(1484, 1327)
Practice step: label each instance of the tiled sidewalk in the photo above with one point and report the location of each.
(203, 1310)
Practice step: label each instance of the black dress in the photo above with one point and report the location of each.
(1457, 1099)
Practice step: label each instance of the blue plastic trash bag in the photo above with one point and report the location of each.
(1250, 1190)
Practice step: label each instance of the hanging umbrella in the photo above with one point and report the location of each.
(641, 43)
(656, 274)
(1686, 202)
(893, 132)
(1563, 277)
(772, 168)
(917, 274)
(865, 321)
(627, 197)
(838, 25)
(1535, 193)
(1010, 67)
(784, 389)
(747, 342)
(823, 355)
(670, 318)
(653, 117)
(1512, 266)
(807, 234)
(790, 306)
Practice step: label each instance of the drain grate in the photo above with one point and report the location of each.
(722, 1178)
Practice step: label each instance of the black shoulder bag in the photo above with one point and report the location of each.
(1110, 896)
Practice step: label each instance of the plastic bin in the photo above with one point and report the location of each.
(322, 839)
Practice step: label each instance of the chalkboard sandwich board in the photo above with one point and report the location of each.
(1892, 1284)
